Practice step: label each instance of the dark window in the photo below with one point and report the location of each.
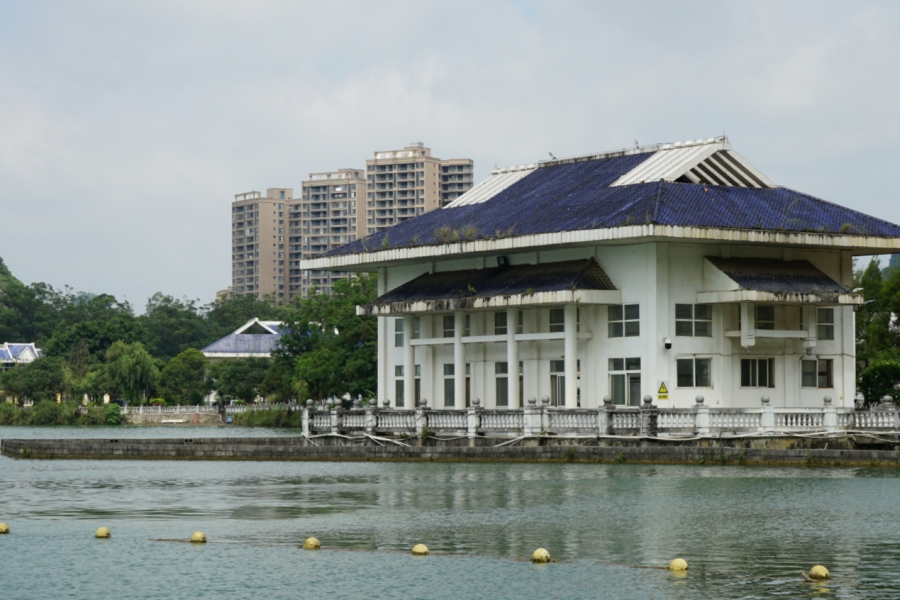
(624, 321)
(758, 372)
(693, 372)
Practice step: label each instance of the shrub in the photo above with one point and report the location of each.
(113, 414)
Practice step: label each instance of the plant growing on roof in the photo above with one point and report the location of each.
(469, 232)
(385, 243)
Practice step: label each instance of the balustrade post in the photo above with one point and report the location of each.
(545, 413)
(304, 418)
(421, 416)
(605, 417)
(337, 417)
(531, 417)
(473, 419)
(829, 419)
(888, 404)
(702, 419)
(767, 419)
(649, 418)
(371, 418)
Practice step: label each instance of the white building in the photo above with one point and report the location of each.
(671, 271)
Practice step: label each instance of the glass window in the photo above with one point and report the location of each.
(693, 320)
(617, 388)
(758, 372)
(808, 373)
(633, 364)
(765, 317)
(501, 370)
(557, 320)
(824, 371)
(399, 393)
(398, 333)
(449, 386)
(693, 372)
(449, 326)
(624, 321)
(500, 323)
(416, 328)
(398, 371)
(617, 364)
(825, 323)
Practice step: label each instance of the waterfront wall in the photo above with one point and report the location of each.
(772, 451)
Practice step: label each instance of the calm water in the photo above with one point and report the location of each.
(745, 531)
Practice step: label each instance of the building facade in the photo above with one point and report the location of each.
(673, 271)
(409, 182)
(328, 215)
(258, 243)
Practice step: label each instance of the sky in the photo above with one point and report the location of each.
(127, 127)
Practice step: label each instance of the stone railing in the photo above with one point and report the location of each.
(541, 419)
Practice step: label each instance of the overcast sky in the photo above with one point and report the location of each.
(126, 127)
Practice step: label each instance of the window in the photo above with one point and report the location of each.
(765, 317)
(449, 326)
(693, 320)
(501, 372)
(817, 373)
(449, 384)
(624, 320)
(625, 385)
(500, 323)
(758, 372)
(399, 385)
(557, 320)
(693, 372)
(398, 333)
(825, 323)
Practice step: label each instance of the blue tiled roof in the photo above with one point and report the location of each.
(777, 276)
(583, 274)
(5, 355)
(244, 343)
(578, 196)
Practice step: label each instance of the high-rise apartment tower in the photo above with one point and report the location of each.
(404, 183)
(258, 243)
(330, 213)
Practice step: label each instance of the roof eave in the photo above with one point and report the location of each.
(371, 261)
(491, 302)
(737, 296)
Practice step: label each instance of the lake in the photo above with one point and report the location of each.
(746, 531)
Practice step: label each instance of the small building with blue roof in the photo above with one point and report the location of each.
(13, 354)
(253, 339)
(671, 271)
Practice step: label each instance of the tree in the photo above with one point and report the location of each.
(172, 325)
(131, 369)
(240, 379)
(880, 379)
(98, 322)
(184, 380)
(42, 379)
(330, 348)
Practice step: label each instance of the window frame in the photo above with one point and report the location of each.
(620, 324)
(753, 373)
(826, 326)
(817, 373)
(693, 322)
(694, 361)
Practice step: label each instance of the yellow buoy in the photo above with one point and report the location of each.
(4, 528)
(540, 556)
(679, 564)
(311, 543)
(103, 532)
(420, 550)
(198, 537)
(819, 572)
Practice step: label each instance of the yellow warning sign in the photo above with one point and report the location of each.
(663, 392)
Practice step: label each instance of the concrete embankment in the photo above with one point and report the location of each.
(527, 450)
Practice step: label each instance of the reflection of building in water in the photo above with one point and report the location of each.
(670, 271)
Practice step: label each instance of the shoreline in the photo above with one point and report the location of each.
(769, 452)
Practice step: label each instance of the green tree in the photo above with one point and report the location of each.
(241, 378)
(184, 380)
(172, 326)
(131, 369)
(97, 322)
(329, 348)
(42, 379)
(880, 379)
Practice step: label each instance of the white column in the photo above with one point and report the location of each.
(748, 325)
(459, 361)
(571, 355)
(384, 366)
(409, 364)
(512, 356)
